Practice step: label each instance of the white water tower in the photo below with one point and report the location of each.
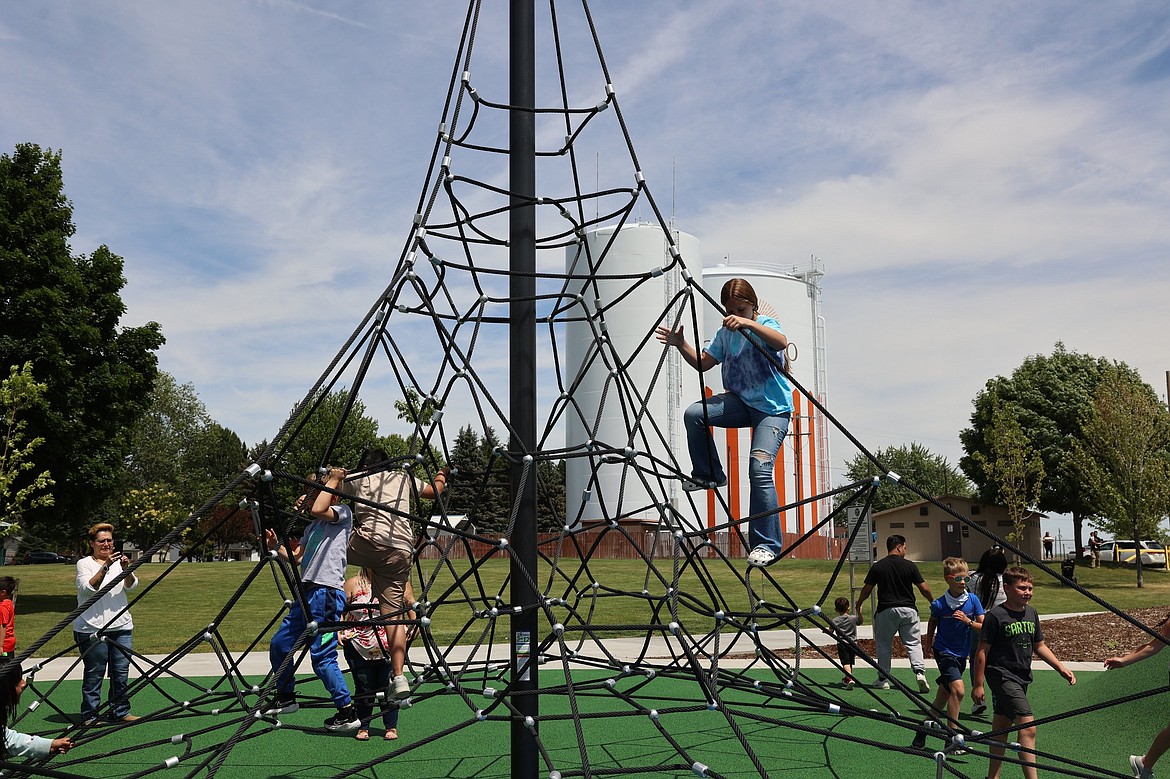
(628, 387)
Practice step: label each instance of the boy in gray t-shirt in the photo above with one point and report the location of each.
(845, 629)
(321, 553)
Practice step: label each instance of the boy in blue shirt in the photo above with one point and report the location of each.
(953, 616)
(321, 553)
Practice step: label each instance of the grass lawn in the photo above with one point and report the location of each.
(192, 596)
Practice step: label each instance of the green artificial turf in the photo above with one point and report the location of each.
(442, 736)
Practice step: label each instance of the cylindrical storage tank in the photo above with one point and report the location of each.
(793, 299)
(625, 387)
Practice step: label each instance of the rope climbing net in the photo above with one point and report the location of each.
(675, 648)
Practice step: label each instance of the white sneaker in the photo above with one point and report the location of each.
(401, 687)
(978, 709)
(880, 684)
(923, 685)
(761, 557)
(1139, 768)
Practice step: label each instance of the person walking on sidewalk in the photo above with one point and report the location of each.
(895, 578)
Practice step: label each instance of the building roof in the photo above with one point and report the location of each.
(944, 498)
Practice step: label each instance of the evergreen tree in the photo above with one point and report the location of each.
(315, 429)
(550, 496)
(62, 313)
(496, 500)
(462, 496)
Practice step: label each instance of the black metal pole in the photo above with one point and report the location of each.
(522, 340)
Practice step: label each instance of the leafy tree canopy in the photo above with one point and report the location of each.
(148, 514)
(62, 313)
(19, 393)
(1123, 459)
(177, 451)
(916, 464)
(1046, 395)
(1013, 466)
(331, 419)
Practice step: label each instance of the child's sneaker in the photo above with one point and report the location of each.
(919, 741)
(881, 684)
(762, 557)
(923, 685)
(1139, 768)
(400, 686)
(692, 485)
(848, 682)
(285, 704)
(344, 720)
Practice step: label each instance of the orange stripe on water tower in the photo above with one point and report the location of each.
(798, 458)
(813, 470)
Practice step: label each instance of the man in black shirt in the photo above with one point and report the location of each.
(895, 578)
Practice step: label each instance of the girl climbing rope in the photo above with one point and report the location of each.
(750, 348)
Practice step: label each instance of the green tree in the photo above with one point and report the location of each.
(148, 514)
(467, 463)
(313, 431)
(917, 465)
(495, 498)
(480, 486)
(1016, 470)
(418, 414)
(550, 496)
(1047, 395)
(19, 393)
(1124, 459)
(160, 438)
(62, 314)
(214, 455)
(179, 459)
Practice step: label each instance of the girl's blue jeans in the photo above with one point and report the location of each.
(768, 431)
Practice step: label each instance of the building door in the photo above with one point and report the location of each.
(950, 538)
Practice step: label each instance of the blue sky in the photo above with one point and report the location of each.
(980, 180)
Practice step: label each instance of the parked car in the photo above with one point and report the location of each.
(1119, 551)
(37, 558)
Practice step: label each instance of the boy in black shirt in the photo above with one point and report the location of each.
(1011, 634)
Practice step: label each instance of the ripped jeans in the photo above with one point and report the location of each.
(768, 431)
